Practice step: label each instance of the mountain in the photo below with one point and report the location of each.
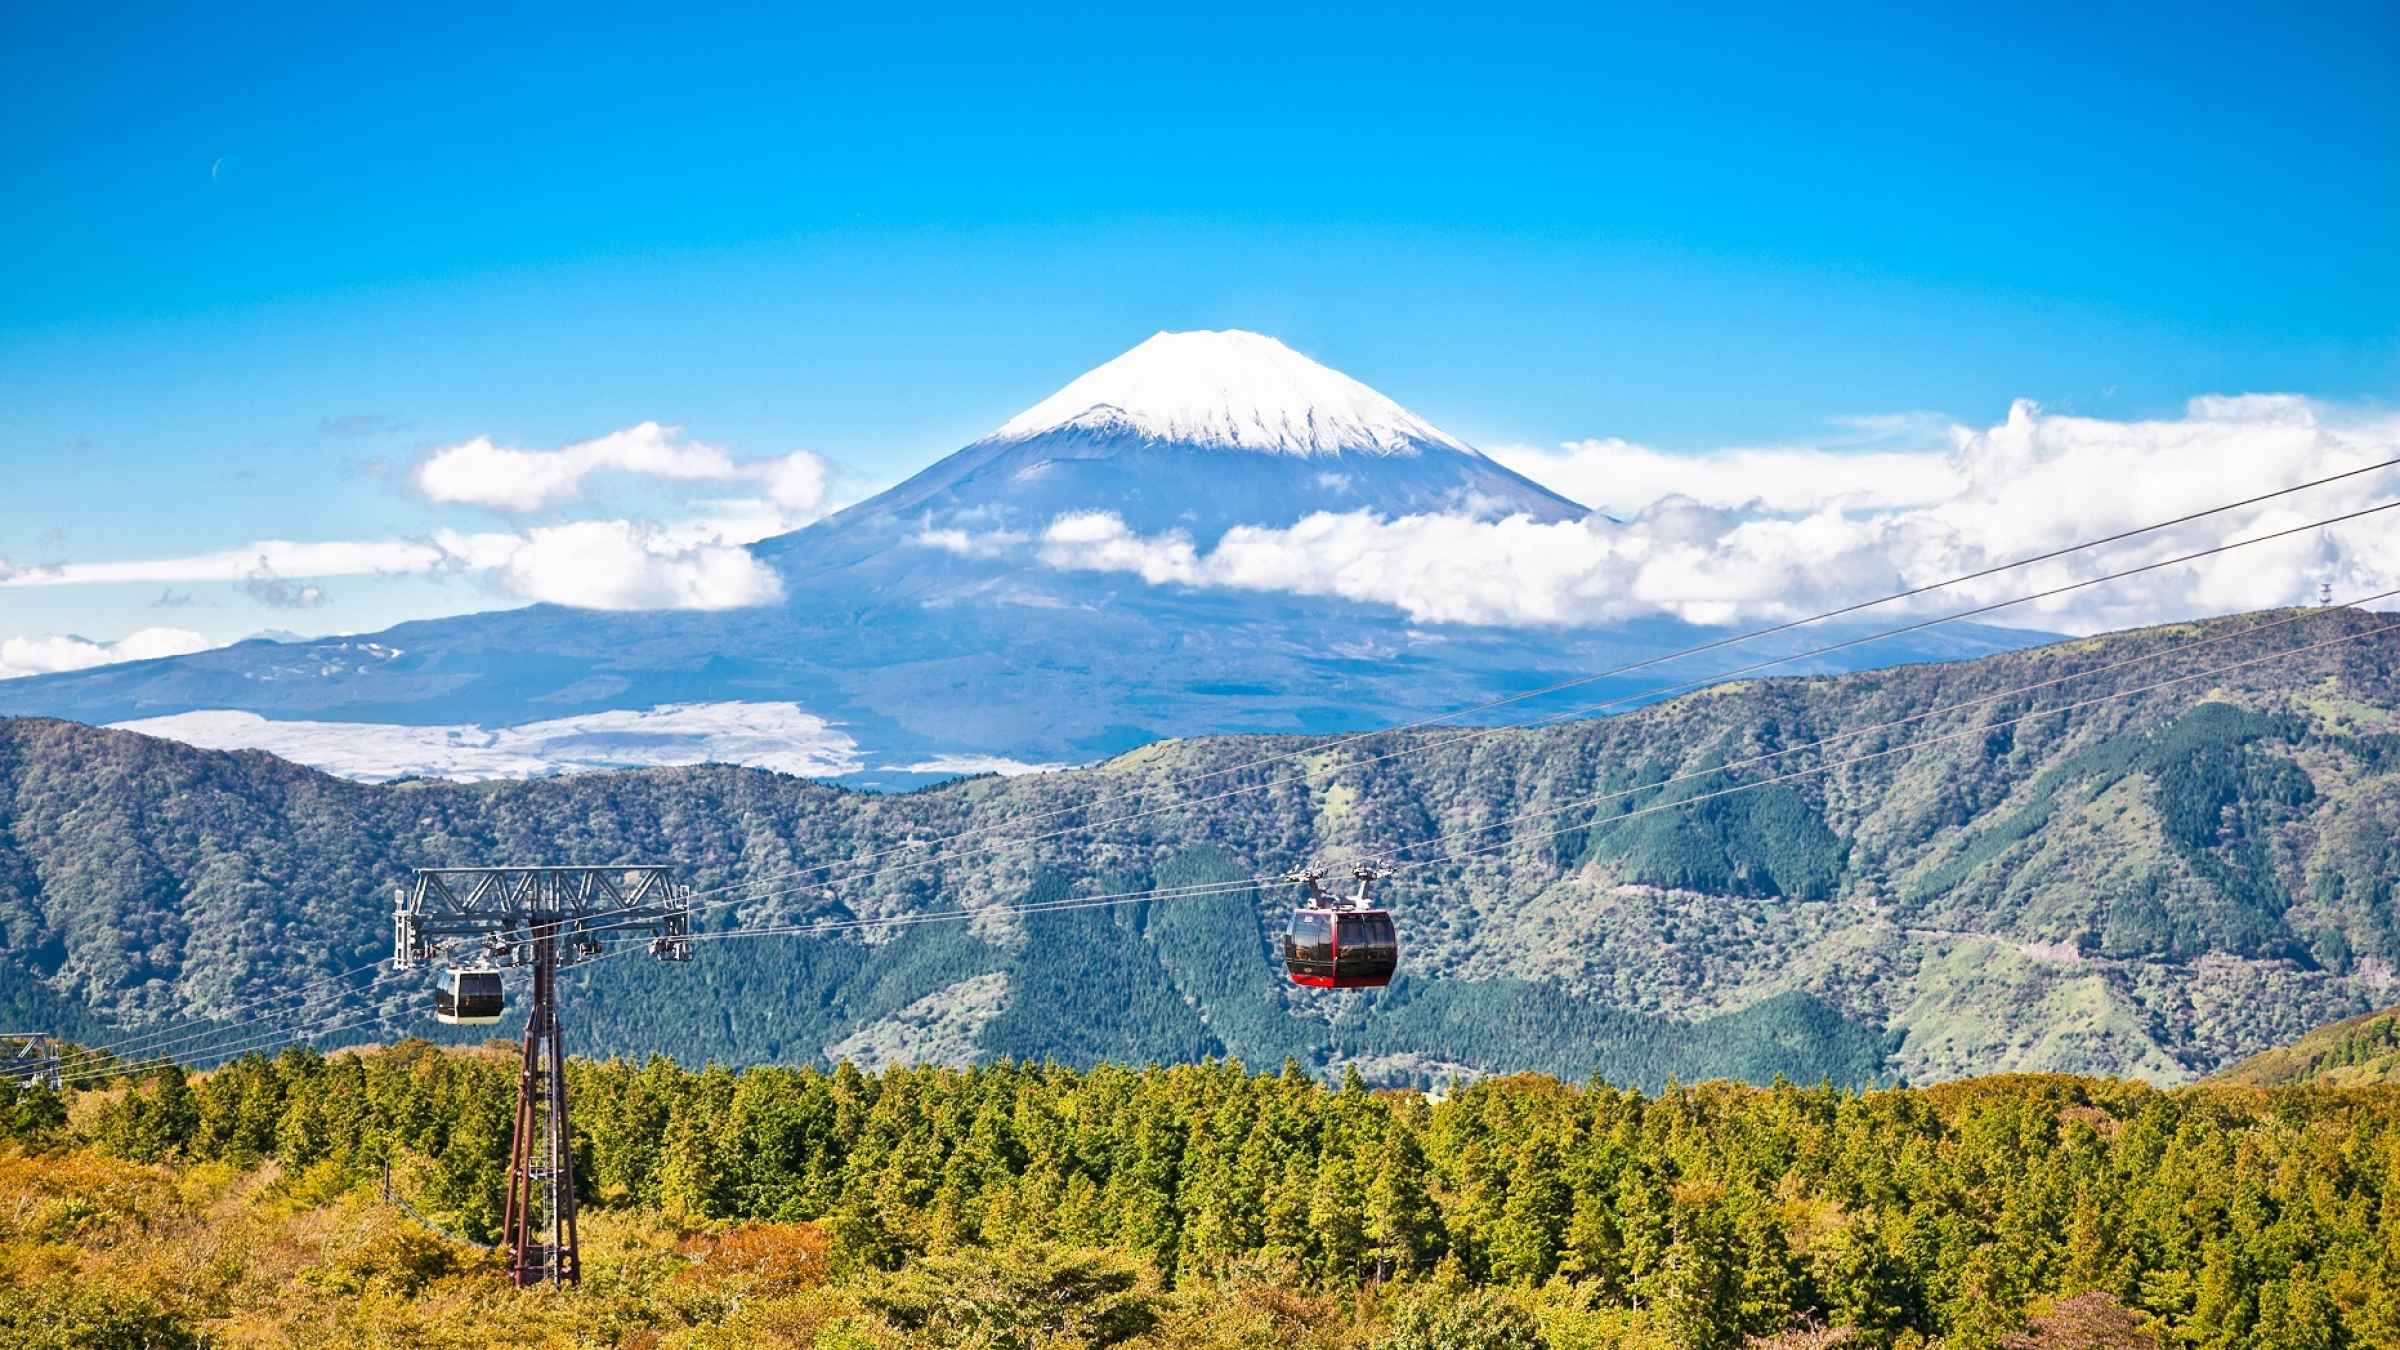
(2153, 885)
(1196, 432)
(2357, 1051)
(928, 631)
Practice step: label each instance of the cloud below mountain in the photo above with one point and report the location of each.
(778, 736)
(961, 765)
(1764, 535)
(21, 656)
(616, 564)
(697, 563)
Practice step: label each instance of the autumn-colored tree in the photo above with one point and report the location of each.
(1018, 1298)
(1703, 1215)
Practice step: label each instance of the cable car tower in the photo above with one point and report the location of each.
(36, 1059)
(548, 919)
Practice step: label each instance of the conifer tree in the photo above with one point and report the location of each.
(1337, 1221)
(1524, 1243)
(695, 1176)
(303, 1135)
(153, 1123)
(1219, 1213)
(1696, 1289)
(1149, 1224)
(1403, 1225)
(1287, 1235)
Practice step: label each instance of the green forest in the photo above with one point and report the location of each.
(1203, 1204)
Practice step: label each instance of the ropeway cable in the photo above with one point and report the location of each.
(1982, 700)
(752, 896)
(191, 1027)
(277, 1039)
(264, 1045)
(274, 1040)
(214, 1046)
(281, 1037)
(148, 1041)
(1198, 891)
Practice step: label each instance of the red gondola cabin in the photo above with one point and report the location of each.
(1341, 945)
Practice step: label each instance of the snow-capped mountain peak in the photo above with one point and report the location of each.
(1229, 390)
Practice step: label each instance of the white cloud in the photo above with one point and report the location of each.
(595, 564)
(778, 736)
(615, 564)
(795, 482)
(1098, 541)
(971, 544)
(479, 472)
(281, 557)
(1786, 533)
(783, 737)
(20, 656)
(963, 765)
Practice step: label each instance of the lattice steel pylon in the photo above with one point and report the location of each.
(545, 918)
(35, 1060)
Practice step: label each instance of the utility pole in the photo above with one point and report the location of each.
(548, 919)
(36, 1059)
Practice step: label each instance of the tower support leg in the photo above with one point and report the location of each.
(540, 1236)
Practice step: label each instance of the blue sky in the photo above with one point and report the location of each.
(253, 268)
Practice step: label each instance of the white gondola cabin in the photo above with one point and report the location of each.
(468, 996)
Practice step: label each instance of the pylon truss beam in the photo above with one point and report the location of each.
(513, 905)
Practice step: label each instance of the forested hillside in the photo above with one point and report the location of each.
(1199, 1205)
(2152, 886)
(2353, 1052)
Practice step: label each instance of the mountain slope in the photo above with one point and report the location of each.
(2355, 1052)
(2155, 886)
(929, 628)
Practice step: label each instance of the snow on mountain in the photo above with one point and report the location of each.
(1229, 390)
(1191, 432)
